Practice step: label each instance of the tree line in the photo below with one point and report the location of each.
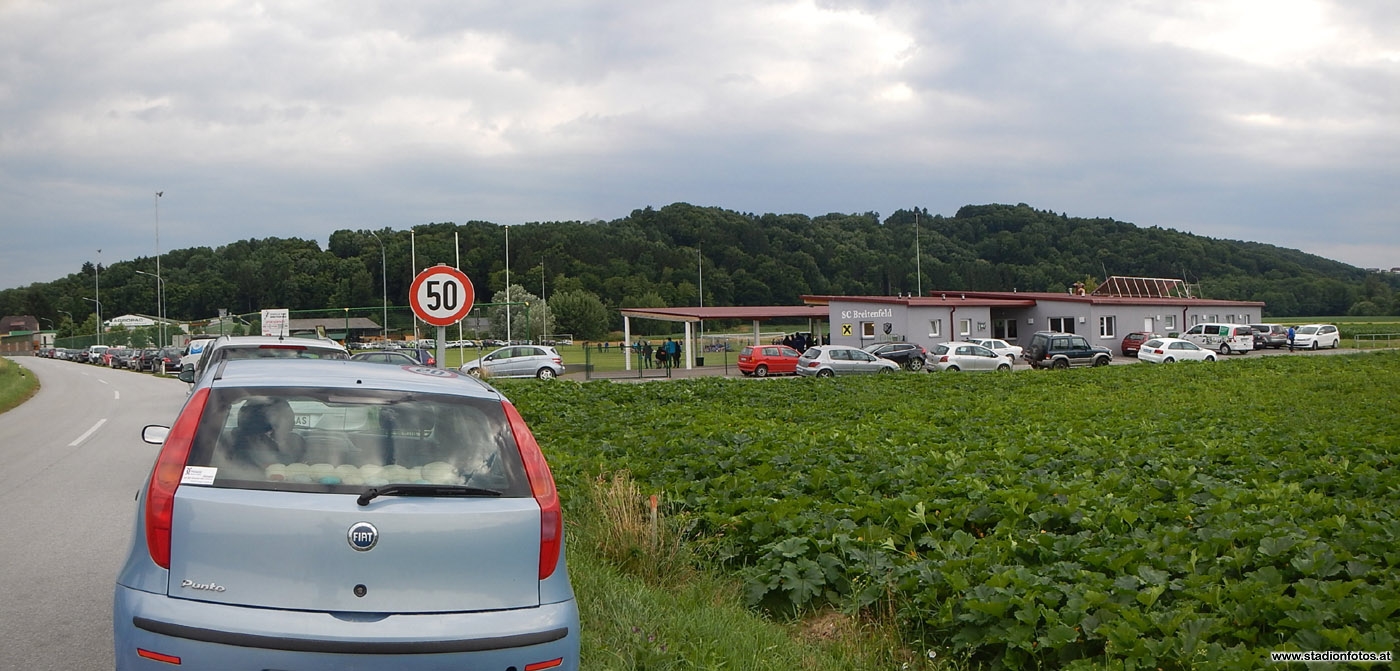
(663, 257)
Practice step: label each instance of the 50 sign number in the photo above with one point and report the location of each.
(441, 295)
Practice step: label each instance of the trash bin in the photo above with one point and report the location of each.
(699, 361)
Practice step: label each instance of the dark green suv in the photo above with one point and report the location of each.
(1052, 349)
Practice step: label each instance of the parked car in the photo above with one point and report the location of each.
(396, 357)
(170, 358)
(538, 361)
(1172, 350)
(315, 514)
(145, 359)
(1053, 349)
(1133, 342)
(765, 360)
(1006, 349)
(1223, 338)
(1316, 336)
(830, 360)
(225, 348)
(193, 351)
(960, 356)
(1270, 335)
(120, 357)
(907, 354)
(422, 355)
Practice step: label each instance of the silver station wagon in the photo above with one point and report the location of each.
(333, 514)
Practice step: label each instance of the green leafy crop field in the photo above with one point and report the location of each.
(1122, 517)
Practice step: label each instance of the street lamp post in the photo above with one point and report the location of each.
(97, 291)
(160, 284)
(160, 291)
(99, 317)
(508, 301)
(384, 283)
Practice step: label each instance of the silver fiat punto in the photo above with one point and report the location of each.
(331, 514)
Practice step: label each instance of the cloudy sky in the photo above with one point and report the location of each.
(1275, 121)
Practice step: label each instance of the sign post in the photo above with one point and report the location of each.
(275, 322)
(441, 295)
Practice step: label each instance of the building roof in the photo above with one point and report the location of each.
(937, 299)
(1036, 296)
(746, 312)
(356, 323)
(12, 323)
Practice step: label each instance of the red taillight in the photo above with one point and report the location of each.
(553, 663)
(165, 478)
(542, 485)
(159, 657)
(943, 359)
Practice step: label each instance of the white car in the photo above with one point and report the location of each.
(1006, 349)
(1171, 350)
(1316, 336)
(959, 356)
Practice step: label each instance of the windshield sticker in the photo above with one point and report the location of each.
(198, 475)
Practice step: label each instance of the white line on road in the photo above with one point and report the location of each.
(117, 394)
(91, 431)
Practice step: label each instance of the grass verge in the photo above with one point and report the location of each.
(16, 384)
(647, 602)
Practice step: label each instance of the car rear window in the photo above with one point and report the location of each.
(342, 441)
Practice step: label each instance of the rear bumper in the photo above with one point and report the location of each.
(209, 635)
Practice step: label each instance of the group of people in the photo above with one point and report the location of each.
(801, 341)
(666, 354)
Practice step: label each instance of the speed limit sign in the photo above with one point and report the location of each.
(441, 295)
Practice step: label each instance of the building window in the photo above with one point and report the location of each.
(935, 328)
(1062, 324)
(867, 330)
(1171, 322)
(1004, 329)
(964, 327)
(1107, 326)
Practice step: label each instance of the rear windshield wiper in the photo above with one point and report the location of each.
(422, 490)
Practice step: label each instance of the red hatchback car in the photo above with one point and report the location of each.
(1133, 341)
(765, 360)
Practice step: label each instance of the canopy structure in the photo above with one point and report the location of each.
(689, 316)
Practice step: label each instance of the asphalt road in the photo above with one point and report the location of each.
(73, 461)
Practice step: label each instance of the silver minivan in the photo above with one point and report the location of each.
(335, 514)
(538, 361)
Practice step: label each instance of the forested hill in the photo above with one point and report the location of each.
(656, 257)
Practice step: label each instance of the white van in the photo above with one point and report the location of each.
(1223, 338)
(194, 349)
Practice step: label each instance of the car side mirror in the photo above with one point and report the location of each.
(187, 374)
(155, 434)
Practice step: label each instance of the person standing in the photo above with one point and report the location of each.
(673, 351)
(1291, 333)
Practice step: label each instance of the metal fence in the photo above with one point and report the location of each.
(610, 360)
(1375, 340)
